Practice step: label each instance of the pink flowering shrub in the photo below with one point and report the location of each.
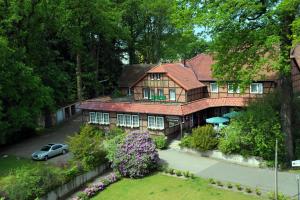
(96, 188)
(136, 156)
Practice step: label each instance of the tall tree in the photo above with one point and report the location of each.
(251, 36)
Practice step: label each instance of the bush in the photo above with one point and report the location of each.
(192, 175)
(72, 172)
(178, 173)
(239, 187)
(112, 144)
(87, 147)
(160, 141)
(257, 191)
(31, 183)
(204, 138)
(254, 131)
(172, 171)
(137, 156)
(186, 174)
(211, 181)
(248, 190)
(219, 183)
(271, 196)
(229, 185)
(186, 141)
(113, 132)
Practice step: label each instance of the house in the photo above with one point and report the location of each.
(130, 74)
(295, 59)
(173, 96)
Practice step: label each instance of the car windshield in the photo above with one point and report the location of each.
(45, 148)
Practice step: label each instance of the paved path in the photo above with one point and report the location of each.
(227, 172)
(58, 134)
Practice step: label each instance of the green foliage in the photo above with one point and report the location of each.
(204, 138)
(211, 181)
(186, 141)
(219, 183)
(248, 190)
(30, 183)
(111, 145)
(160, 141)
(83, 196)
(87, 147)
(254, 132)
(238, 187)
(178, 173)
(72, 172)
(257, 191)
(271, 196)
(186, 174)
(229, 186)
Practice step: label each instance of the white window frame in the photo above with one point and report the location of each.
(135, 121)
(128, 123)
(92, 119)
(152, 77)
(105, 118)
(146, 93)
(151, 125)
(120, 120)
(214, 85)
(231, 91)
(260, 88)
(160, 125)
(173, 90)
(156, 122)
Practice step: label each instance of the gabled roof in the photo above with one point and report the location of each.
(131, 73)
(180, 74)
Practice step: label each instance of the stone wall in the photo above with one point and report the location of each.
(64, 190)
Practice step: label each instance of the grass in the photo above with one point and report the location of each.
(162, 187)
(12, 162)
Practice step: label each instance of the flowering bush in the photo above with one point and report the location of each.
(97, 187)
(137, 156)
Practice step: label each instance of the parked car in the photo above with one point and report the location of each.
(49, 151)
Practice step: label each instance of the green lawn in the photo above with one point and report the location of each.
(11, 163)
(162, 187)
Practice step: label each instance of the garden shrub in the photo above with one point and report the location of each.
(178, 173)
(254, 131)
(271, 196)
(186, 141)
(113, 132)
(186, 174)
(239, 187)
(248, 190)
(219, 183)
(204, 138)
(211, 181)
(30, 183)
(111, 146)
(257, 191)
(160, 141)
(229, 185)
(87, 147)
(72, 172)
(137, 156)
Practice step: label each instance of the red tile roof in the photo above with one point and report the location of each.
(202, 66)
(183, 76)
(164, 109)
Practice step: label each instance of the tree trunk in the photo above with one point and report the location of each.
(286, 115)
(78, 77)
(97, 70)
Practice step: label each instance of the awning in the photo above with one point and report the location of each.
(217, 120)
(231, 114)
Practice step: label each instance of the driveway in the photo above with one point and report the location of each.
(58, 134)
(227, 172)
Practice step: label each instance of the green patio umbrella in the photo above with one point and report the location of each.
(217, 120)
(231, 114)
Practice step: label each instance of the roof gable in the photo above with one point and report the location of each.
(183, 76)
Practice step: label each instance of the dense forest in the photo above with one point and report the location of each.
(54, 52)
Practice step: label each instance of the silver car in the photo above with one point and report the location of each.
(49, 151)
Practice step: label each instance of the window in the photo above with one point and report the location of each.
(160, 92)
(172, 95)
(151, 94)
(105, 118)
(155, 76)
(99, 118)
(155, 122)
(151, 122)
(120, 120)
(232, 90)
(135, 121)
(214, 88)
(127, 120)
(146, 93)
(92, 117)
(256, 88)
(160, 123)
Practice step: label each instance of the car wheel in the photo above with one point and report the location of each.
(64, 151)
(46, 158)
